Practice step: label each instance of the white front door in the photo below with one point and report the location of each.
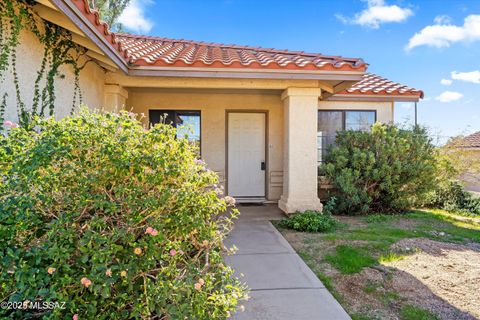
(246, 155)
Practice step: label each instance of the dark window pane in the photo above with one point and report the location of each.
(359, 120)
(329, 122)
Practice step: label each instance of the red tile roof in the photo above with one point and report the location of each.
(471, 141)
(372, 84)
(156, 51)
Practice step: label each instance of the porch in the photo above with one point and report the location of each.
(263, 143)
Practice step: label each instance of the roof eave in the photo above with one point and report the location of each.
(245, 73)
(74, 14)
(373, 97)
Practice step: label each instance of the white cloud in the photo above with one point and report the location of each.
(378, 12)
(133, 17)
(473, 76)
(443, 19)
(449, 96)
(446, 82)
(443, 34)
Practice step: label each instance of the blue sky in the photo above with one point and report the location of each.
(417, 43)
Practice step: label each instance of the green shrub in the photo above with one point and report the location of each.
(309, 221)
(116, 221)
(384, 170)
(312, 221)
(450, 195)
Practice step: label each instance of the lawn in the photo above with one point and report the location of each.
(421, 265)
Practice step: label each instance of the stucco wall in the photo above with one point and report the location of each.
(384, 109)
(213, 106)
(29, 57)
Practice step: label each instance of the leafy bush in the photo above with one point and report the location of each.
(312, 221)
(117, 221)
(385, 170)
(450, 195)
(309, 221)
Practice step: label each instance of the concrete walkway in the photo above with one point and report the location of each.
(282, 285)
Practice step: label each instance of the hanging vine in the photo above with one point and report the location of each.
(59, 50)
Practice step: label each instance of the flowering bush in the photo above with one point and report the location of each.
(116, 221)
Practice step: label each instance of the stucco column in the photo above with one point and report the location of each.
(115, 97)
(300, 171)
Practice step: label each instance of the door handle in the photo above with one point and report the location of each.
(263, 166)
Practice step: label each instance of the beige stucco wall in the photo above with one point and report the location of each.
(213, 106)
(384, 110)
(29, 57)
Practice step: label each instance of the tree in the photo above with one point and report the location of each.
(110, 11)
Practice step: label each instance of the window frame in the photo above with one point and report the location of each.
(344, 119)
(344, 111)
(175, 111)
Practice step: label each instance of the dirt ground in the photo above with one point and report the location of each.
(441, 277)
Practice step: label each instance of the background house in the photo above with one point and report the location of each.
(467, 151)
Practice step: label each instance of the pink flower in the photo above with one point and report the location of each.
(86, 282)
(151, 231)
(108, 273)
(75, 317)
(230, 201)
(132, 115)
(10, 124)
(51, 270)
(173, 252)
(198, 286)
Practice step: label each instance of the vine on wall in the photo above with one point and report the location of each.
(59, 50)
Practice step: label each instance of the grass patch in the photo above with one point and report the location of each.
(410, 312)
(390, 257)
(348, 259)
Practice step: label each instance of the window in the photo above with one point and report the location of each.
(330, 122)
(359, 120)
(187, 122)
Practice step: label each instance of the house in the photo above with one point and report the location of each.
(467, 152)
(262, 117)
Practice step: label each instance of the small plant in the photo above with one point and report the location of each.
(390, 257)
(310, 221)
